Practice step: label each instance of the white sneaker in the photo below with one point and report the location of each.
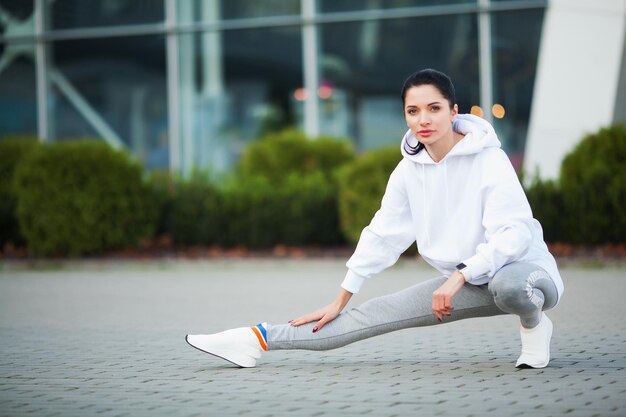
(536, 345)
(242, 346)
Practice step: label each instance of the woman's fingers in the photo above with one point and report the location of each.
(442, 299)
(442, 305)
(320, 324)
(305, 319)
(327, 317)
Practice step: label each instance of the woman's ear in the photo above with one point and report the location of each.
(454, 112)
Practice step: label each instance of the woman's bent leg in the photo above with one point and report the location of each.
(411, 307)
(526, 290)
(523, 289)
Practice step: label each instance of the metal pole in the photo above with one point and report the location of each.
(173, 99)
(41, 65)
(485, 59)
(310, 69)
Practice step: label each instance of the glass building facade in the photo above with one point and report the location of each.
(189, 83)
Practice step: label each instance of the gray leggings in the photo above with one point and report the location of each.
(519, 288)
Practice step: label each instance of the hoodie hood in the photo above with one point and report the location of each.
(479, 134)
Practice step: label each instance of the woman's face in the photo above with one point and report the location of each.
(428, 114)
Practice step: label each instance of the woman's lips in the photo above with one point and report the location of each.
(425, 133)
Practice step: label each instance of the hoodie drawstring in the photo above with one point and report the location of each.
(445, 179)
(425, 206)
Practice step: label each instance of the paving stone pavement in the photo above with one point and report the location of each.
(107, 339)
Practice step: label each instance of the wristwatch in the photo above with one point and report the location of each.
(461, 268)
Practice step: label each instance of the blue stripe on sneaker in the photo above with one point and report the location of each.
(263, 331)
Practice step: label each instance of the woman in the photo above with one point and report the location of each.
(456, 194)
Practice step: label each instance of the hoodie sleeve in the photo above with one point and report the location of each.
(387, 236)
(507, 220)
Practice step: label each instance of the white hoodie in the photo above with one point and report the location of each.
(470, 208)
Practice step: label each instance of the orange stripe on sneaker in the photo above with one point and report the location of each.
(258, 336)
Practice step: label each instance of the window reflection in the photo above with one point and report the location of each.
(235, 86)
(113, 89)
(367, 68)
(69, 14)
(18, 105)
(329, 6)
(215, 10)
(515, 43)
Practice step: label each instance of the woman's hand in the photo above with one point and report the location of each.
(325, 314)
(442, 297)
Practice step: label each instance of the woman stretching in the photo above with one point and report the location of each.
(456, 194)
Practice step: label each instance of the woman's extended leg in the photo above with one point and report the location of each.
(527, 290)
(411, 307)
(521, 289)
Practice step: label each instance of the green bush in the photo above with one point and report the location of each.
(297, 211)
(546, 200)
(593, 183)
(310, 213)
(277, 156)
(162, 184)
(12, 151)
(82, 197)
(197, 213)
(285, 191)
(361, 188)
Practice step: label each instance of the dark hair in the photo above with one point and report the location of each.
(437, 79)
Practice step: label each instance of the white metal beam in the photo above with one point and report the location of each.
(173, 98)
(310, 69)
(41, 70)
(85, 109)
(485, 59)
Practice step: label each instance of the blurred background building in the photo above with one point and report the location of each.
(189, 83)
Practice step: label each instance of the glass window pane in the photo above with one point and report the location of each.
(329, 6)
(235, 85)
(112, 89)
(215, 10)
(236, 9)
(18, 94)
(515, 43)
(366, 69)
(69, 14)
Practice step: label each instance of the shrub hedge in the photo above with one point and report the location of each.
(300, 210)
(586, 204)
(285, 191)
(81, 197)
(546, 200)
(12, 151)
(196, 212)
(277, 156)
(361, 188)
(593, 184)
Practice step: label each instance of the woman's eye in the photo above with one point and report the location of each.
(411, 111)
(435, 108)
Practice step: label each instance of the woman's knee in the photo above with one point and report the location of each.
(509, 296)
(513, 291)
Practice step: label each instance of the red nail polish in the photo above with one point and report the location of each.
(314, 329)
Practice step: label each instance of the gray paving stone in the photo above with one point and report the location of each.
(108, 340)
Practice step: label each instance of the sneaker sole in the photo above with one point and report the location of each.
(217, 355)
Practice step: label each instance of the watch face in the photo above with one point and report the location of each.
(461, 266)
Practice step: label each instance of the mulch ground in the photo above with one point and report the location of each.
(164, 247)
